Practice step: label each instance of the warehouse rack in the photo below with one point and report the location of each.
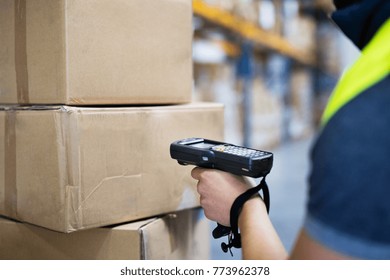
(247, 42)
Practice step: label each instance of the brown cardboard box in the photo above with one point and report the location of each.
(95, 52)
(183, 235)
(71, 168)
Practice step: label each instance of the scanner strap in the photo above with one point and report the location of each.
(235, 238)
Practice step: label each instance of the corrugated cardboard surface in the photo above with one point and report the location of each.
(70, 168)
(95, 51)
(183, 235)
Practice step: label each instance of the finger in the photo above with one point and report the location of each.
(196, 172)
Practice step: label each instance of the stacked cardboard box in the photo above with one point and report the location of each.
(68, 168)
(95, 52)
(174, 236)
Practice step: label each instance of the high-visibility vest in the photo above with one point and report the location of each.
(372, 66)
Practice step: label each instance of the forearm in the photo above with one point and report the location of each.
(258, 236)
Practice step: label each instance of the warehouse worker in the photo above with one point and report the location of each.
(348, 211)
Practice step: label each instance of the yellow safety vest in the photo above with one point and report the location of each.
(371, 67)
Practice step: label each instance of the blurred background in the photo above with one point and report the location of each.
(273, 64)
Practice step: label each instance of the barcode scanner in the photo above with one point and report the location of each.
(231, 158)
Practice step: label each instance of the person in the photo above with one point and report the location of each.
(348, 209)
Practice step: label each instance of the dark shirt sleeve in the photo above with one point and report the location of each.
(349, 195)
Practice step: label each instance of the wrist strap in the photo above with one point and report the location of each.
(234, 239)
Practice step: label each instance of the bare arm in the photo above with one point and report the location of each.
(261, 241)
(258, 237)
(307, 248)
(218, 190)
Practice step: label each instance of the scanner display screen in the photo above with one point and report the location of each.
(202, 145)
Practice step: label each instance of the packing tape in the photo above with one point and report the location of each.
(21, 52)
(10, 199)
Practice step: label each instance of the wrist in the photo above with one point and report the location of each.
(252, 199)
(252, 205)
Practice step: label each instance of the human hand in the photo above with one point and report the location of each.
(218, 190)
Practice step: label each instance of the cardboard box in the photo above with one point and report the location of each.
(183, 235)
(95, 52)
(70, 168)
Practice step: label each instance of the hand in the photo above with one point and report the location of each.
(218, 190)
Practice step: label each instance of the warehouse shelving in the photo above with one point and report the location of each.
(247, 43)
(251, 32)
